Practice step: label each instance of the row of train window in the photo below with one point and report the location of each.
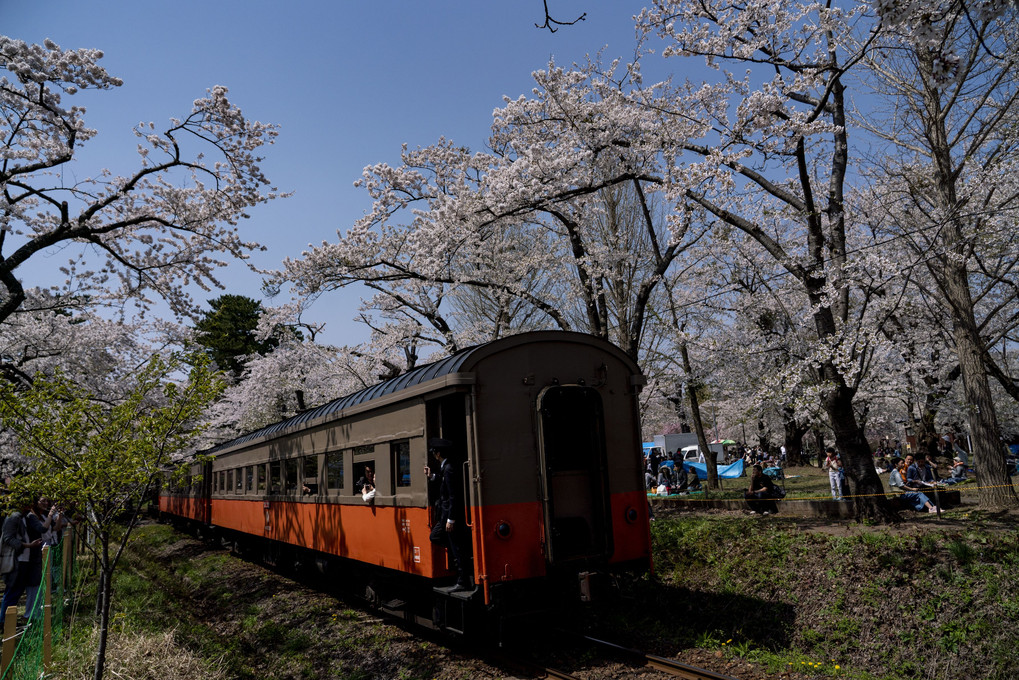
(314, 474)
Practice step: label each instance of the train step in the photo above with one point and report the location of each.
(456, 592)
(398, 607)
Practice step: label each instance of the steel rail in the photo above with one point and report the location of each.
(670, 666)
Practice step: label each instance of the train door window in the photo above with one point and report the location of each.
(275, 477)
(290, 475)
(309, 476)
(401, 463)
(573, 453)
(229, 481)
(334, 471)
(249, 479)
(260, 471)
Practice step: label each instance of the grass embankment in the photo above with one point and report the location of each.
(924, 600)
(915, 601)
(188, 611)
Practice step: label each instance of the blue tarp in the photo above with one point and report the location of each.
(731, 471)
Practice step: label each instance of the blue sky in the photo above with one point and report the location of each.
(348, 82)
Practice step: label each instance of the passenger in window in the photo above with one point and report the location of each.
(366, 485)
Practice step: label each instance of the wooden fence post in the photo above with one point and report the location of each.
(69, 540)
(47, 621)
(10, 638)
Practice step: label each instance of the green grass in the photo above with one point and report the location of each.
(814, 600)
(879, 604)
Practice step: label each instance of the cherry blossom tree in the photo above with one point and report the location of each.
(159, 228)
(297, 374)
(951, 196)
(766, 152)
(556, 223)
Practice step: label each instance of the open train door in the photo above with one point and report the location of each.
(574, 474)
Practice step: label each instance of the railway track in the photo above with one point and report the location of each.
(631, 656)
(670, 666)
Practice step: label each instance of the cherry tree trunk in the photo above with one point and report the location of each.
(793, 440)
(995, 489)
(695, 413)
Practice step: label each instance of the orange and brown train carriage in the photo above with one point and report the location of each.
(546, 440)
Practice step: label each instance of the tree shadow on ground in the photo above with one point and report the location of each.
(662, 619)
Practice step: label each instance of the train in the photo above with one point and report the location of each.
(544, 431)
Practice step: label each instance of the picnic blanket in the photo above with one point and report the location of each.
(731, 471)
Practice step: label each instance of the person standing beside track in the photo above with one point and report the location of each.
(833, 465)
(15, 538)
(451, 509)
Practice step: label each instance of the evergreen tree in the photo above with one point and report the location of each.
(228, 333)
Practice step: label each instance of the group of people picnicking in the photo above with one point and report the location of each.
(666, 476)
(25, 532)
(664, 479)
(911, 477)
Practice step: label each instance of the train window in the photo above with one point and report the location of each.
(401, 462)
(364, 450)
(215, 482)
(365, 472)
(239, 480)
(309, 476)
(275, 477)
(229, 481)
(334, 471)
(249, 479)
(261, 478)
(290, 475)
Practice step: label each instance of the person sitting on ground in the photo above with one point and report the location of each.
(958, 474)
(664, 478)
(760, 496)
(649, 479)
(914, 497)
(682, 478)
(919, 474)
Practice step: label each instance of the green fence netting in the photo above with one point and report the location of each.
(43, 620)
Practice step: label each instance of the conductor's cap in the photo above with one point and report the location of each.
(439, 444)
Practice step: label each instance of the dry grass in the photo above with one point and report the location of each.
(140, 656)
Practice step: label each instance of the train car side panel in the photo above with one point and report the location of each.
(389, 537)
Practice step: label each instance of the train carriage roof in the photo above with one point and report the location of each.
(422, 374)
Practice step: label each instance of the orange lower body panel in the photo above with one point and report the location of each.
(187, 507)
(390, 537)
(398, 537)
(520, 555)
(632, 540)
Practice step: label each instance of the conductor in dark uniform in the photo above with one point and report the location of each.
(451, 508)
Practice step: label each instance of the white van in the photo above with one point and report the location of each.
(692, 454)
